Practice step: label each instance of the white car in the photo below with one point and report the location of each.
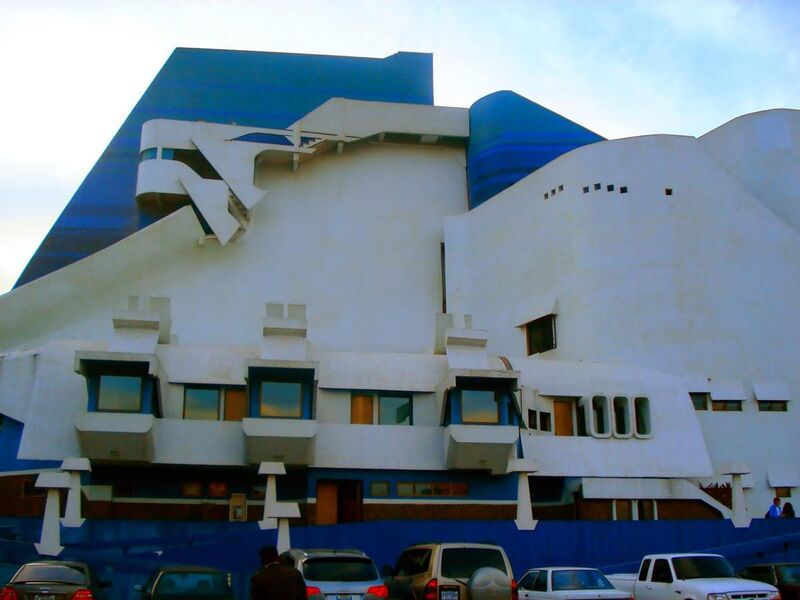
(568, 583)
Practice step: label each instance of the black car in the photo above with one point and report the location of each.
(784, 576)
(181, 583)
(55, 580)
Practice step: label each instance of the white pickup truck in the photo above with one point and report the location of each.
(690, 577)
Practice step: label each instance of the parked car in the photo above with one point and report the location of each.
(784, 576)
(692, 577)
(337, 574)
(560, 583)
(452, 571)
(55, 580)
(182, 583)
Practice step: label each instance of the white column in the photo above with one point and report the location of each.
(50, 540)
(740, 517)
(524, 520)
(74, 467)
(270, 469)
(284, 540)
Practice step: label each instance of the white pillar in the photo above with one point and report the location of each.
(282, 512)
(741, 517)
(74, 467)
(270, 469)
(50, 540)
(284, 540)
(524, 520)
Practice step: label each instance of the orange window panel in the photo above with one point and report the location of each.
(361, 409)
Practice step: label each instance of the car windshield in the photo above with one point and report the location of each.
(705, 567)
(190, 584)
(461, 563)
(339, 568)
(580, 579)
(789, 573)
(52, 573)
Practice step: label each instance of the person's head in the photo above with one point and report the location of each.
(268, 554)
(776, 501)
(788, 508)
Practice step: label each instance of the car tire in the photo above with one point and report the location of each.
(488, 583)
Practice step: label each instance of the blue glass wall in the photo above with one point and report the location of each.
(261, 89)
(511, 137)
(10, 436)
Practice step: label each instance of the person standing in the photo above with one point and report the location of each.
(788, 511)
(275, 581)
(774, 511)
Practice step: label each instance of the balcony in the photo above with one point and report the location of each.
(290, 441)
(116, 436)
(480, 447)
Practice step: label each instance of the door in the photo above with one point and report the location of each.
(660, 585)
(327, 496)
(339, 502)
(562, 410)
(235, 404)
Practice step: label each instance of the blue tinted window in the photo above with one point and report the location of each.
(478, 406)
(281, 399)
(394, 410)
(120, 393)
(167, 154)
(201, 403)
(148, 154)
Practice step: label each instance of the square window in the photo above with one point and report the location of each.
(545, 421)
(394, 410)
(541, 334)
(597, 186)
(459, 489)
(553, 192)
(379, 488)
(281, 399)
(218, 489)
(441, 489)
(479, 407)
(586, 189)
(546, 195)
(610, 187)
(561, 188)
(668, 191)
(192, 489)
(623, 189)
(423, 489)
(120, 393)
(405, 489)
(699, 400)
(201, 403)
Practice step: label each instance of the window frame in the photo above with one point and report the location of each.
(140, 401)
(495, 399)
(537, 327)
(387, 394)
(697, 397)
(216, 388)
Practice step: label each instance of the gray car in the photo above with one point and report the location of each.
(337, 574)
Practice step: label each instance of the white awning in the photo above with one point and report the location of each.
(696, 383)
(730, 389)
(783, 477)
(771, 390)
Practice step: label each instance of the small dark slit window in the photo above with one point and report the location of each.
(597, 186)
(541, 334)
(610, 187)
(623, 189)
(586, 189)
(668, 191)
(553, 192)
(561, 188)
(546, 196)
(545, 421)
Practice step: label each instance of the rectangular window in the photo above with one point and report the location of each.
(120, 393)
(622, 417)
(600, 415)
(641, 409)
(726, 405)
(699, 400)
(541, 334)
(428, 489)
(545, 421)
(201, 403)
(218, 489)
(783, 492)
(361, 409)
(532, 420)
(192, 489)
(773, 405)
(379, 488)
(479, 407)
(281, 399)
(394, 410)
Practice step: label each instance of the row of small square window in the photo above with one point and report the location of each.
(553, 192)
(623, 189)
(701, 401)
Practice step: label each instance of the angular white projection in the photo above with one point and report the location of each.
(211, 199)
(235, 162)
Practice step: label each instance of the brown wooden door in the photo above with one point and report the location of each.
(563, 417)
(350, 502)
(361, 409)
(327, 501)
(235, 404)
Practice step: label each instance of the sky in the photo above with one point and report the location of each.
(72, 70)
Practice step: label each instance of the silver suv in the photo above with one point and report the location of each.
(452, 571)
(337, 574)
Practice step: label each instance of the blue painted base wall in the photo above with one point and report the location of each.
(125, 551)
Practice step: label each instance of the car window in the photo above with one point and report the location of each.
(540, 585)
(789, 573)
(413, 562)
(190, 583)
(339, 568)
(460, 563)
(661, 571)
(52, 573)
(580, 579)
(526, 582)
(644, 569)
(702, 567)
